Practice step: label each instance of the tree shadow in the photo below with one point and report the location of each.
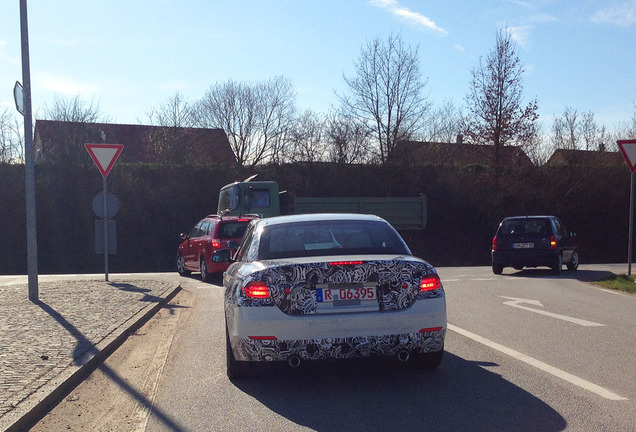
(382, 394)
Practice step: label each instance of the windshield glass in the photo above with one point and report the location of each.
(319, 238)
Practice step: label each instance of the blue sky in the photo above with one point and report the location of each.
(132, 55)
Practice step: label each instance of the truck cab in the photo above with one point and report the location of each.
(249, 198)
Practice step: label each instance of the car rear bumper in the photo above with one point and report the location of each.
(267, 334)
(522, 258)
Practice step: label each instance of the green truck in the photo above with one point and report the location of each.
(262, 198)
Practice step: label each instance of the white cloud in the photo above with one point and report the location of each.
(66, 85)
(623, 14)
(520, 35)
(403, 13)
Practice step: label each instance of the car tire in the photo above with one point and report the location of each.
(181, 266)
(558, 265)
(203, 266)
(235, 369)
(574, 262)
(497, 268)
(427, 361)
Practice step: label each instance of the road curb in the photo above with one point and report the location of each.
(29, 412)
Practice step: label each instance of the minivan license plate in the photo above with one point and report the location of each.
(523, 245)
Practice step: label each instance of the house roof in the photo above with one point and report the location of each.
(562, 157)
(142, 143)
(431, 153)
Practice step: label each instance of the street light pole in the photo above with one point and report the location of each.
(29, 156)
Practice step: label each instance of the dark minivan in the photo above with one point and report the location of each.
(533, 241)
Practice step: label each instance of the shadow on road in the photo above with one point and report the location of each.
(580, 275)
(385, 395)
(85, 347)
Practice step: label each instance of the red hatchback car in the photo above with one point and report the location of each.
(210, 234)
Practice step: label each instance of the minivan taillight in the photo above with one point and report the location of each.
(216, 243)
(553, 242)
(256, 290)
(494, 243)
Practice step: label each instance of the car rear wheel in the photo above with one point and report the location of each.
(235, 369)
(205, 276)
(181, 266)
(574, 262)
(558, 265)
(427, 361)
(497, 268)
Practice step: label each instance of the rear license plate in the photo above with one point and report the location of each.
(523, 245)
(344, 296)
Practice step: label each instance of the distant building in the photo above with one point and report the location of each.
(562, 157)
(459, 154)
(58, 141)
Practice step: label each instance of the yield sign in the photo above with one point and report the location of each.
(628, 148)
(104, 155)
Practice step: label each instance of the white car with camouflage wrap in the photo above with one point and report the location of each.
(329, 286)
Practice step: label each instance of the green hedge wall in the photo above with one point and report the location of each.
(157, 202)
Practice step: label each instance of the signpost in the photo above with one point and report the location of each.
(628, 148)
(104, 156)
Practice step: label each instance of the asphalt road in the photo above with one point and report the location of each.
(525, 351)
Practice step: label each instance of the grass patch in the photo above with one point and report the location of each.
(619, 283)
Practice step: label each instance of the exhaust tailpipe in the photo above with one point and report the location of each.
(403, 355)
(294, 361)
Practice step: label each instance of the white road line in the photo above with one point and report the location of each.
(515, 302)
(580, 382)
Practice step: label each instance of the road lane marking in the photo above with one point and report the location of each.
(579, 382)
(515, 302)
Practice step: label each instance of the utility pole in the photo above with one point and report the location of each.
(29, 162)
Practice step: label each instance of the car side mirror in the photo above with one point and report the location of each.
(233, 245)
(222, 256)
(184, 236)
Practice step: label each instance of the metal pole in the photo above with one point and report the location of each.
(105, 230)
(631, 226)
(29, 156)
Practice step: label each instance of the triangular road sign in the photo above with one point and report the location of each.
(628, 148)
(104, 155)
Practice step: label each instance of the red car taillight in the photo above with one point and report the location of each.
(494, 243)
(216, 243)
(553, 242)
(430, 283)
(256, 290)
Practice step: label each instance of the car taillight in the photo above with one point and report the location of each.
(341, 263)
(494, 243)
(216, 243)
(553, 242)
(430, 283)
(256, 290)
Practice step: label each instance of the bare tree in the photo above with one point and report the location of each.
(575, 131)
(169, 141)
(386, 94)
(77, 118)
(305, 141)
(256, 117)
(175, 112)
(348, 141)
(445, 123)
(75, 110)
(495, 112)
(11, 140)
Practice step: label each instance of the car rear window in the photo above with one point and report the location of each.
(232, 230)
(515, 227)
(320, 238)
